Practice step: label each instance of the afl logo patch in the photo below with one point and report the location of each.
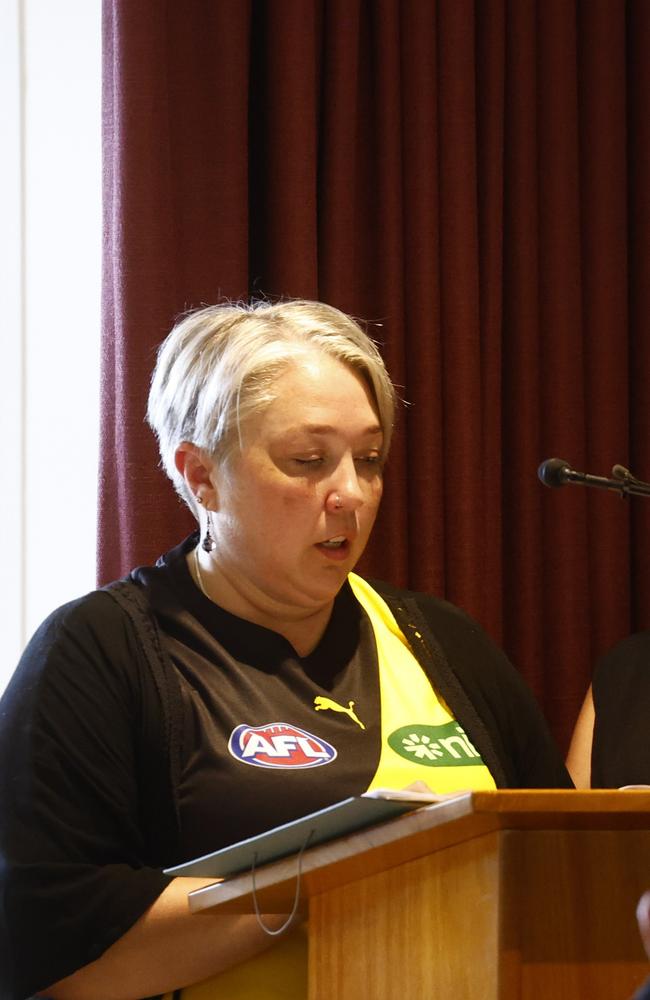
(279, 745)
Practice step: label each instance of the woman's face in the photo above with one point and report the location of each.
(295, 508)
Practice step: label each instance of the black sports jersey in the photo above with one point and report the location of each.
(235, 674)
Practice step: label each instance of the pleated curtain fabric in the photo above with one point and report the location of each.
(470, 177)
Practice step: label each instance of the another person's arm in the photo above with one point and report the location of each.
(578, 759)
(643, 920)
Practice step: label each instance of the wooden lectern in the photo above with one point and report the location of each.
(510, 894)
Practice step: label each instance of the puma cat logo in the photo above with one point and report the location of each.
(321, 703)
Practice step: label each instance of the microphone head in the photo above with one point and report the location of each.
(553, 472)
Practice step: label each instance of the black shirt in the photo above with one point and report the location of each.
(233, 673)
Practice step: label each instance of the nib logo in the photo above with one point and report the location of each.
(279, 745)
(435, 746)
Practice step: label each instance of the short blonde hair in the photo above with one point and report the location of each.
(218, 365)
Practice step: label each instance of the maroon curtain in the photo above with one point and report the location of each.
(473, 178)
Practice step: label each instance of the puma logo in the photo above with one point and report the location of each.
(321, 703)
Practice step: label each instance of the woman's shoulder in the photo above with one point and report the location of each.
(78, 642)
(436, 609)
(636, 643)
(467, 645)
(94, 615)
(627, 660)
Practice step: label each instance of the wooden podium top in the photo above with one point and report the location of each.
(425, 830)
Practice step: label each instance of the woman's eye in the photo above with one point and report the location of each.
(372, 460)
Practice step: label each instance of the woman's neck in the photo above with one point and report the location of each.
(302, 627)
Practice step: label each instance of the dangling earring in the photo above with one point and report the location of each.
(208, 541)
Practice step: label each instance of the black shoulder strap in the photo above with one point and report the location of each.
(160, 736)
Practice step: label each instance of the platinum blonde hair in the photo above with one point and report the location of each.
(218, 367)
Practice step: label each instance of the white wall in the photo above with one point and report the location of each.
(50, 259)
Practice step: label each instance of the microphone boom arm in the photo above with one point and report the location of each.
(556, 472)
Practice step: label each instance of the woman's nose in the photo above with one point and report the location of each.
(346, 492)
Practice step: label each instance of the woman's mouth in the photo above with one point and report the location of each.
(335, 543)
(337, 547)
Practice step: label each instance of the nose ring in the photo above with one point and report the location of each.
(338, 503)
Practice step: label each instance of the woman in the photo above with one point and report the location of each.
(147, 723)
(609, 746)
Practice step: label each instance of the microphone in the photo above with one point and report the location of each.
(556, 472)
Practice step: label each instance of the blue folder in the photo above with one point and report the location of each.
(326, 824)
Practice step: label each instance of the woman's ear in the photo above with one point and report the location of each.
(196, 467)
